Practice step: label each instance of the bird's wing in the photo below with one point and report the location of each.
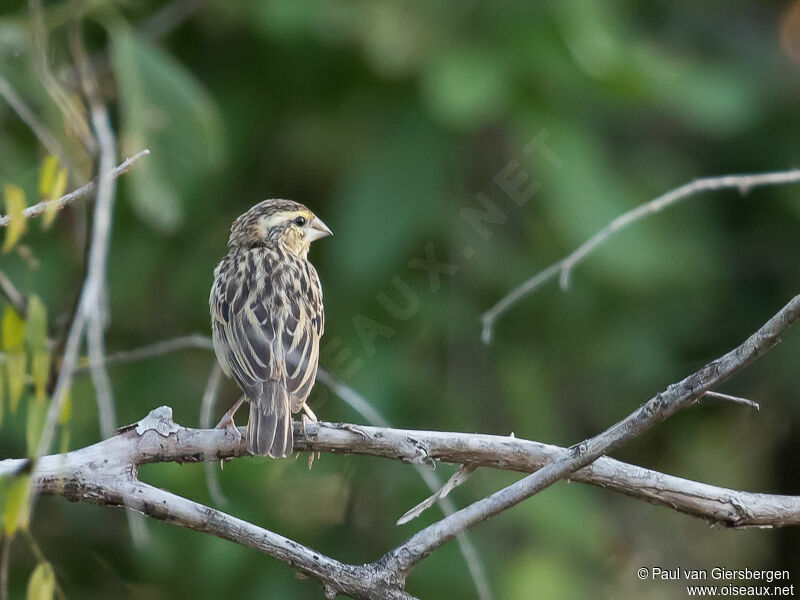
(265, 330)
(301, 334)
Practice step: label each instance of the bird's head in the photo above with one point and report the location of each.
(278, 223)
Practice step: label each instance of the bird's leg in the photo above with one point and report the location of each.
(312, 418)
(308, 416)
(227, 423)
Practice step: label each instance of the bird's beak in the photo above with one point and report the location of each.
(317, 229)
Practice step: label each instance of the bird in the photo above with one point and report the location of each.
(267, 319)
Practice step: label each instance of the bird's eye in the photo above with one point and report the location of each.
(300, 221)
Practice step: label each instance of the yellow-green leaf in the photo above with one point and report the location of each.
(2, 394)
(65, 435)
(37, 415)
(13, 329)
(36, 325)
(40, 370)
(17, 507)
(51, 210)
(15, 367)
(42, 584)
(15, 204)
(66, 409)
(47, 176)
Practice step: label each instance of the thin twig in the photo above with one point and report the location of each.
(735, 399)
(86, 301)
(564, 267)
(206, 409)
(40, 208)
(153, 28)
(657, 409)
(192, 341)
(168, 18)
(97, 314)
(45, 137)
(72, 116)
(13, 295)
(459, 477)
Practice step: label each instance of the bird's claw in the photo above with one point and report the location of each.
(308, 416)
(229, 426)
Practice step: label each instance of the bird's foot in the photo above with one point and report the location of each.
(227, 423)
(308, 416)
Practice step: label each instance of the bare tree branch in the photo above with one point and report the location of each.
(40, 208)
(350, 396)
(187, 342)
(657, 409)
(105, 474)
(206, 409)
(97, 316)
(91, 295)
(460, 476)
(365, 408)
(564, 267)
(13, 295)
(734, 399)
(722, 506)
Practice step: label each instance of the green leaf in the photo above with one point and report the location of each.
(15, 366)
(42, 584)
(66, 409)
(59, 186)
(2, 394)
(13, 329)
(37, 415)
(16, 514)
(47, 176)
(40, 370)
(163, 108)
(15, 204)
(36, 325)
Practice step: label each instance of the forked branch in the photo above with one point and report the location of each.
(563, 268)
(106, 473)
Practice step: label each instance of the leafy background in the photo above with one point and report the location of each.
(388, 119)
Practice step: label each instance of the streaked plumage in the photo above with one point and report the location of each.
(267, 317)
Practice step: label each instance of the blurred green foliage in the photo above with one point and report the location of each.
(388, 119)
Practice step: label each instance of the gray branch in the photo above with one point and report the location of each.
(95, 308)
(40, 208)
(664, 404)
(564, 267)
(106, 474)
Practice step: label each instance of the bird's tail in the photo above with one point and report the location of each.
(269, 430)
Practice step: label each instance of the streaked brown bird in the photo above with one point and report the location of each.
(267, 319)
